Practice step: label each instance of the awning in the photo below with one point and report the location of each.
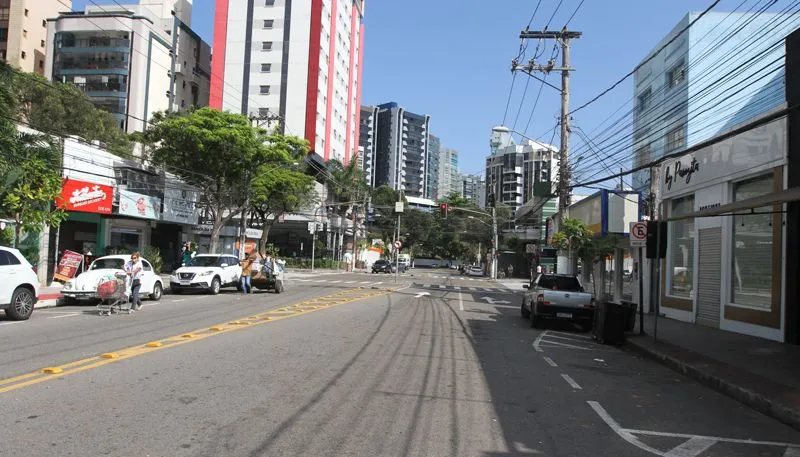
(774, 198)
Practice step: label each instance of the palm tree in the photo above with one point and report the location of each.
(347, 186)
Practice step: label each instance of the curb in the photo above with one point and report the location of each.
(772, 408)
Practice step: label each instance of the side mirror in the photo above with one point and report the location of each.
(224, 265)
(526, 286)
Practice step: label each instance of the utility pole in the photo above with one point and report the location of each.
(494, 243)
(243, 221)
(564, 36)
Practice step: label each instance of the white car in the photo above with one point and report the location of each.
(474, 271)
(208, 272)
(85, 285)
(19, 285)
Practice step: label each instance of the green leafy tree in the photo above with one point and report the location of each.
(280, 186)
(28, 200)
(215, 151)
(347, 188)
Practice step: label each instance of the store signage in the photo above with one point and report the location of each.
(681, 169)
(68, 265)
(138, 205)
(180, 205)
(85, 197)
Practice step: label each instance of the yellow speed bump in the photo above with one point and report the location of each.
(109, 355)
(52, 370)
(154, 344)
(266, 318)
(187, 335)
(216, 329)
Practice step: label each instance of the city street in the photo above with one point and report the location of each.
(353, 364)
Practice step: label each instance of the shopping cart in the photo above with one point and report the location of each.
(113, 294)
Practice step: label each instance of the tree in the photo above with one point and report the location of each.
(28, 200)
(347, 186)
(63, 109)
(215, 151)
(575, 236)
(280, 186)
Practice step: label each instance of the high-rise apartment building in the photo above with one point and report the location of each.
(449, 178)
(131, 60)
(473, 188)
(23, 31)
(299, 60)
(432, 175)
(368, 124)
(401, 158)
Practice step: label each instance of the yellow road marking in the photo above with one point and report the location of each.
(77, 366)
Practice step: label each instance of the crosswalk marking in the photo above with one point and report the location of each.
(349, 282)
(364, 282)
(457, 287)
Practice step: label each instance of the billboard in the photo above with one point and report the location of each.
(138, 205)
(86, 197)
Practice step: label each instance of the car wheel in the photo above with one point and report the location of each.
(278, 287)
(215, 285)
(22, 301)
(157, 292)
(524, 311)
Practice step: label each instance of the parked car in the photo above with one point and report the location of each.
(19, 285)
(475, 271)
(84, 287)
(270, 278)
(558, 297)
(426, 263)
(207, 272)
(383, 266)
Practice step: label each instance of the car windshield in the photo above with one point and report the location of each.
(108, 264)
(204, 261)
(567, 283)
(381, 262)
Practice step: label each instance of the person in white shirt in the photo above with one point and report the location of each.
(134, 268)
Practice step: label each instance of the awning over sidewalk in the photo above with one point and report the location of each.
(775, 198)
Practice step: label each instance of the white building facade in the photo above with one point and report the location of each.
(298, 60)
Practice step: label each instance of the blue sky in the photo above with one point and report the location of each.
(451, 59)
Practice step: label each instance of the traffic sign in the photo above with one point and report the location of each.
(638, 234)
(398, 244)
(530, 248)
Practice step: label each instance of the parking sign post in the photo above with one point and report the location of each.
(638, 237)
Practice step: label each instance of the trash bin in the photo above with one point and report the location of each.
(610, 322)
(630, 319)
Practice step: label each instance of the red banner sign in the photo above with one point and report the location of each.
(68, 265)
(86, 197)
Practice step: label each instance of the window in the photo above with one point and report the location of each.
(41, 64)
(643, 155)
(677, 74)
(44, 23)
(23, 55)
(264, 90)
(751, 269)
(266, 67)
(268, 23)
(41, 43)
(681, 248)
(24, 33)
(269, 2)
(26, 12)
(146, 266)
(263, 112)
(7, 258)
(266, 46)
(3, 34)
(645, 98)
(4, 14)
(675, 139)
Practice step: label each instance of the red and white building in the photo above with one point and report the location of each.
(298, 59)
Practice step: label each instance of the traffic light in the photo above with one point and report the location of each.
(656, 242)
(443, 210)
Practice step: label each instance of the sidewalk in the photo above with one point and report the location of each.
(762, 374)
(514, 284)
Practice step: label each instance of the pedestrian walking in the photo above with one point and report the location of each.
(134, 268)
(247, 270)
(186, 254)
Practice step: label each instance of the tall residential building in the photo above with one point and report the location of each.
(517, 174)
(432, 175)
(300, 60)
(23, 31)
(401, 158)
(124, 58)
(473, 188)
(368, 124)
(727, 61)
(448, 173)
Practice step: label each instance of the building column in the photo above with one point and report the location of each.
(619, 264)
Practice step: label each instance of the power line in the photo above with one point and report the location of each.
(554, 14)
(574, 13)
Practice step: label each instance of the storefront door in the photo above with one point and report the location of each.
(709, 277)
(127, 239)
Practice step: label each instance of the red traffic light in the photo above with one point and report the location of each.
(443, 210)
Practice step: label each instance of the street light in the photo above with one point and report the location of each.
(314, 237)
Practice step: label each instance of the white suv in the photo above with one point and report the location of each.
(19, 285)
(208, 272)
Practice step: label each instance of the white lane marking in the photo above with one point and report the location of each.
(11, 322)
(586, 337)
(334, 282)
(442, 286)
(550, 362)
(303, 280)
(457, 287)
(65, 315)
(570, 381)
(792, 452)
(349, 282)
(177, 301)
(421, 294)
(624, 434)
(565, 345)
(364, 282)
(376, 283)
(538, 341)
(795, 446)
(460, 302)
(561, 337)
(691, 448)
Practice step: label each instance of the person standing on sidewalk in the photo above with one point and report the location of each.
(247, 270)
(134, 269)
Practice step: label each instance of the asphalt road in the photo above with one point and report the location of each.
(442, 366)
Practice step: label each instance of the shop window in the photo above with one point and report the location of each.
(751, 269)
(681, 249)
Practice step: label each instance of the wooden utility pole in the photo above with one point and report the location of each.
(564, 36)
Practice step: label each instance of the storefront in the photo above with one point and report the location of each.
(84, 229)
(131, 231)
(177, 219)
(201, 234)
(726, 271)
